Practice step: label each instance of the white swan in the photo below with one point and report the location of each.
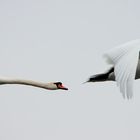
(49, 86)
(126, 67)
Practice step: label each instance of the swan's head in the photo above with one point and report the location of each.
(59, 85)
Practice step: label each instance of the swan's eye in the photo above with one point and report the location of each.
(60, 86)
(58, 83)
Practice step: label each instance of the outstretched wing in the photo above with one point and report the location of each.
(125, 61)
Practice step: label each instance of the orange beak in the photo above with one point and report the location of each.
(62, 87)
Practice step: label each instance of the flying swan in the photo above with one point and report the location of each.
(125, 61)
(49, 86)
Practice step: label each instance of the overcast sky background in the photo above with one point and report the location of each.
(63, 40)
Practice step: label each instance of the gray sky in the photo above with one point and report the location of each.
(58, 40)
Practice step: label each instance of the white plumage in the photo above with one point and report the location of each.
(125, 60)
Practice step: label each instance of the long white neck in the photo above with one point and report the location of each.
(49, 86)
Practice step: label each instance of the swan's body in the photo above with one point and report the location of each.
(126, 67)
(49, 86)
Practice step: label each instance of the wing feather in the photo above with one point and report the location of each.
(125, 61)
